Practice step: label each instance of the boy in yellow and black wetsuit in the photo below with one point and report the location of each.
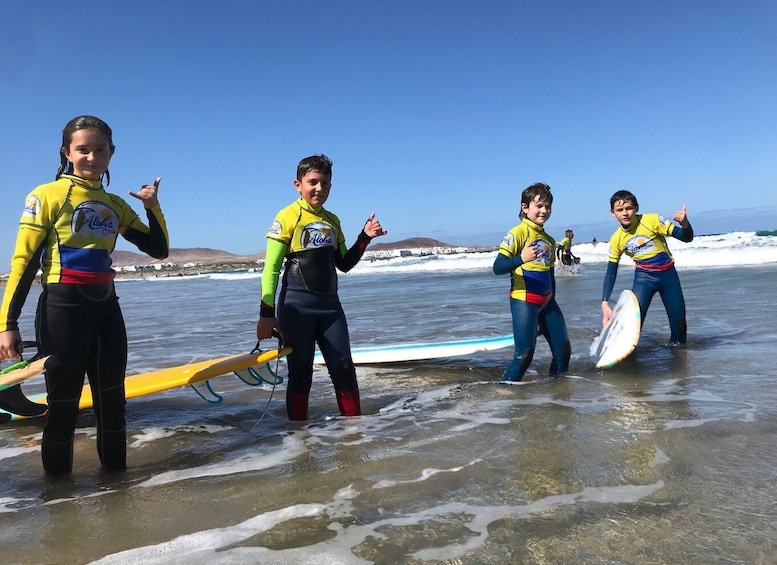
(643, 238)
(309, 311)
(69, 228)
(564, 250)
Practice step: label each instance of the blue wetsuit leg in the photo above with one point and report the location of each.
(667, 283)
(525, 317)
(554, 328)
(297, 315)
(308, 318)
(672, 296)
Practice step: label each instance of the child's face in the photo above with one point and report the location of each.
(538, 211)
(624, 211)
(314, 187)
(89, 152)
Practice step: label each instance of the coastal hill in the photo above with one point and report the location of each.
(182, 256)
(207, 256)
(411, 243)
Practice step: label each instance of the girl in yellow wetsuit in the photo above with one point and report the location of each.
(68, 229)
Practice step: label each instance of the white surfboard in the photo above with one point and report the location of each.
(419, 351)
(619, 338)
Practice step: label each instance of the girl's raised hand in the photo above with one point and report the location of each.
(148, 194)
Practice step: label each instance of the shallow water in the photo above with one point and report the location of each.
(667, 458)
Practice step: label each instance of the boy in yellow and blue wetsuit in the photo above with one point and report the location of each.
(527, 252)
(309, 311)
(643, 238)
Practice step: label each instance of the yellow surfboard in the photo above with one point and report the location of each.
(195, 374)
(21, 374)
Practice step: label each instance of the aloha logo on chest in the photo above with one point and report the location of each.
(543, 251)
(317, 234)
(639, 244)
(95, 219)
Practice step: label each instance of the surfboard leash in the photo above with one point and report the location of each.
(257, 349)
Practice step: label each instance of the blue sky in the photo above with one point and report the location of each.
(436, 113)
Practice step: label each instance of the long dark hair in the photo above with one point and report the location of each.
(83, 122)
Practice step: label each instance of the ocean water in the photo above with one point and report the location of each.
(669, 457)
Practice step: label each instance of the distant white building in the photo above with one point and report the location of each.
(414, 252)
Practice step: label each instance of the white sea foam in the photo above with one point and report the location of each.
(8, 452)
(149, 435)
(253, 461)
(213, 546)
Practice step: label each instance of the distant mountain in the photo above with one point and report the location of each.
(410, 243)
(181, 256)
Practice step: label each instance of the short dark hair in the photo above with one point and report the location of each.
(78, 123)
(531, 192)
(625, 196)
(537, 189)
(320, 163)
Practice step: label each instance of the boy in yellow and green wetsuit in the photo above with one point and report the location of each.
(527, 252)
(643, 238)
(309, 312)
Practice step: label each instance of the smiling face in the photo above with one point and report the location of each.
(624, 211)
(314, 187)
(89, 152)
(538, 210)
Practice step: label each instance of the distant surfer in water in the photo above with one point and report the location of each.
(643, 238)
(309, 311)
(528, 252)
(68, 229)
(564, 250)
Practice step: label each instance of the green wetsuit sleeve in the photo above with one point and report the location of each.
(273, 261)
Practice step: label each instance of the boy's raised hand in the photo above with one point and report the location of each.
(373, 228)
(681, 217)
(148, 194)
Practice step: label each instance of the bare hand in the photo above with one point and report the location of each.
(148, 194)
(681, 217)
(606, 313)
(530, 252)
(373, 228)
(10, 345)
(265, 326)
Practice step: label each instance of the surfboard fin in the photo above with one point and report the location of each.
(206, 392)
(258, 375)
(13, 400)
